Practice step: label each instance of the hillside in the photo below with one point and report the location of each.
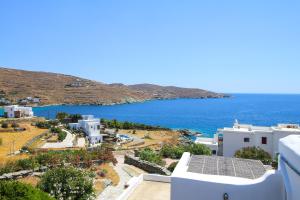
(54, 88)
(171, 92)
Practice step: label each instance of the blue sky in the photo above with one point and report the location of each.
(227, 46)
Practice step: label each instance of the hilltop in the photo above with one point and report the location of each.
(53, 88)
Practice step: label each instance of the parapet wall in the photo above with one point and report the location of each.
(146, 166)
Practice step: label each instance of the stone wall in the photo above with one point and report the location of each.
(30, 142)
(146, 166)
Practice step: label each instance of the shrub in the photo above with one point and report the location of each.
(61, 116)
(175, 152)
(172, 166)
(62, 135)
(149, 155)
(254, 153)
(21, 191)
(129, 125)
(67, 183)
(198, 149)
(15, 125)
(1, 141)
(29, 163)
(4, 125)
(44, 125)
(103, 173)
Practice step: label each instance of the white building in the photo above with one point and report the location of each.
(211, 143)
(245, 135)
(198, 178)
(91, 127)
(16, 111)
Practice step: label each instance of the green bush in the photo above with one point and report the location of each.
(62, 135)
(44, 125)
(149, 155)
(114, 124)
(172, 166)
(68, 183)
(15, 125)
(254, 153)
(20, 191)
(175, 152)
(198, 149)
(4, 125)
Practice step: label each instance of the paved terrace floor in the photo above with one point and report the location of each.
(149, 190)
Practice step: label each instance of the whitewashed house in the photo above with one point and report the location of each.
(246, 135)
(15, 111)
(36, 100)
(221, 178)
(91, 127)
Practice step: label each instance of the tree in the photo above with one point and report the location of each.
(67, 183)
(61, 116)
(21, 191)
(75, 117)
(255, 153)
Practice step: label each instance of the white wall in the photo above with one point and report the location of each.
(289, 165)
(195, 186)
(269, 187)
(233, 142)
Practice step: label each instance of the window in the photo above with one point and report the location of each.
(246, 139)
(264, 140)
(214, 152)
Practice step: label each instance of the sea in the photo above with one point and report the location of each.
(201, 115)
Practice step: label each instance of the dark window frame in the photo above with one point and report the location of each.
(246, 139)
(264, 140)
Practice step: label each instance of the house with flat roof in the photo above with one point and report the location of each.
(91, 127)
(247, 135)
(212, 143)
(221, 178)
(15, 111)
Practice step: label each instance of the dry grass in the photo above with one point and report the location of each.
(111, 174)
(155, 139)
(19, 139)
(98, 186)
(31, 180)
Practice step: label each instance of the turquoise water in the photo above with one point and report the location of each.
(204, 115)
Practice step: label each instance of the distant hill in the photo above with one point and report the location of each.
(53, 88)
(171, 92)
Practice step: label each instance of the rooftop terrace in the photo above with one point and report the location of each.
(216, 165)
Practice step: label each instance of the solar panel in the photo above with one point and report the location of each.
(217, 165)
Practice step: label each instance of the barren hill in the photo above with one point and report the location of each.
(54, 88)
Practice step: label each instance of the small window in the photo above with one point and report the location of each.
(214, 152)
(246, 139)
(264, 140)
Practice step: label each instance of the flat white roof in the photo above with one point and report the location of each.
(252, 129)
